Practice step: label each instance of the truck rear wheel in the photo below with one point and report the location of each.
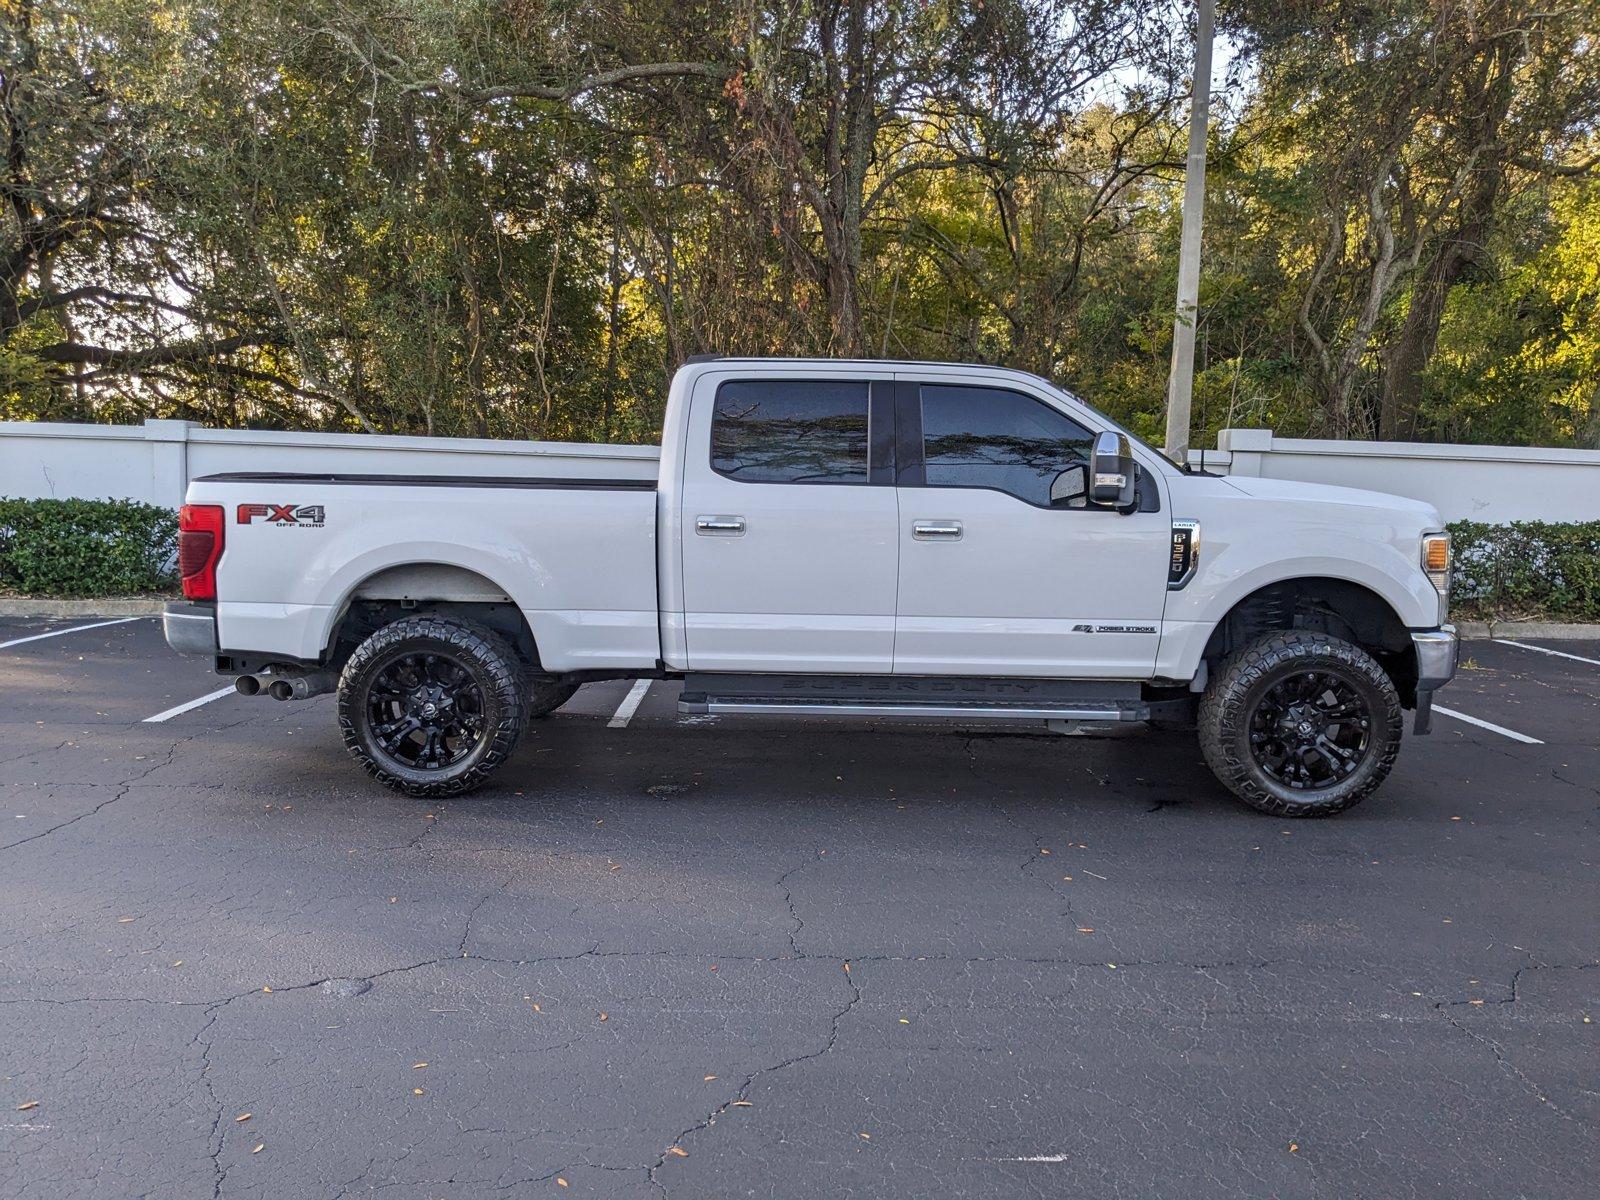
(432, 707)
(1300, 724)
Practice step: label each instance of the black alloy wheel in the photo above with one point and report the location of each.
(1299, 723)
(425, 710)
(1310, 730)
(432, 706)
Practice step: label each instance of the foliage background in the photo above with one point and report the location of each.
(514, 218)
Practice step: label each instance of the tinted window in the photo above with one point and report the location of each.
(790, 431)
(986, 437)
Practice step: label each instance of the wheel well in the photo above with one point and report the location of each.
(1336, 607)
(417, 589)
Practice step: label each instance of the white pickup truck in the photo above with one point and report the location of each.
(839, 538)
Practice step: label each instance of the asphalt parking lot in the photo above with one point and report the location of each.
(705, 958)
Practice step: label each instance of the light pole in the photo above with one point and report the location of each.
(1180, 383)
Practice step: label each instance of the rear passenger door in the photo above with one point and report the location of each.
(997, 576)
(790, 526)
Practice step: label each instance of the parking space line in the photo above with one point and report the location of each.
(1556, 653)
(218, 695)
(1489, 725)
(39, 637)
(630, 704)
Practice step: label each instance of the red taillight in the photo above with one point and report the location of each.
(199, 547)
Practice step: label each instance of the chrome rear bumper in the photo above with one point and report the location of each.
(190, 628)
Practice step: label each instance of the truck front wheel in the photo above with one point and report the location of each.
(1300, 724)
(432, 707)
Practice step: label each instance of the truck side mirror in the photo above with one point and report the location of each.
(1070, 489)
(1111, 471)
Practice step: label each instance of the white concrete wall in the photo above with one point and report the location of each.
(1476, 483)
(155, 461)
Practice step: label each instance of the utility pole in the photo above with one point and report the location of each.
(1180, 383)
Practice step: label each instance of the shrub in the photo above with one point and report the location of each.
(1525, 569)
(82, 548)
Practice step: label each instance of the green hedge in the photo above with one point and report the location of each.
(87, 548)
(1526, 569)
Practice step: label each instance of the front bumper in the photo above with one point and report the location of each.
(1436, 666)
(190, 628)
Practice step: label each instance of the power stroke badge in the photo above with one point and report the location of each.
(310, 516)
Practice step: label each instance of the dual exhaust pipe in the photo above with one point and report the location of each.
(287, 687)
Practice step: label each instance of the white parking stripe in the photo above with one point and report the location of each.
(39, 637)
(216, 695)
(630, 704)
(1489, 725)
(1557, 653)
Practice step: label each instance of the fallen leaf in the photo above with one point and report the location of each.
(1294, 1147)
(605, 1016)
(1085, 928)
(865, 1137)
(260, 1146)
(1113, 966)
(1044, 852)
(709, 1078)
(904, 1021)
(416, 1091)
(26, 1105)
(179, 963)
(418, 1066)
(679, 1151)
(536, 1008)
(1474, 1001)
(266, 989)
(743, 1104)
(847, 968)
(242, 1117)
(125, 920)
(560, 1182)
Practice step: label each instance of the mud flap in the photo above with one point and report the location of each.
(1423, 721)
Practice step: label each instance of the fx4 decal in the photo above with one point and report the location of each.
(309, 515)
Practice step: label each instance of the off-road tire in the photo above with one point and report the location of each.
(500, 677)
(1247, 675)
(546, 695)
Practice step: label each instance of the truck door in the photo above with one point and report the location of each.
(789, 527)
(996, 577)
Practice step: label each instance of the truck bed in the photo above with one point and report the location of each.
(576, 554)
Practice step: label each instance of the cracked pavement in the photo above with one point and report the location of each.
(771, 959)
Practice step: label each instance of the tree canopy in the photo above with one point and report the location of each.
(515, 218)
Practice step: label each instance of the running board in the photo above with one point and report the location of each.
(914, 697)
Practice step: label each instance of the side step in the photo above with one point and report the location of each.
(914, 696)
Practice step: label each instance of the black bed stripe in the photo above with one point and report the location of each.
(456, 481)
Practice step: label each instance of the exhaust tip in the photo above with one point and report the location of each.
(281, 689)
(247, 685)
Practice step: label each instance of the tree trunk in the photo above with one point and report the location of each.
(1406, 363)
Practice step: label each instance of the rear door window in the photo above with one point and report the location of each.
(790, 431)
(978, 437)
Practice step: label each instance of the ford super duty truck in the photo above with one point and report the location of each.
(839, 538)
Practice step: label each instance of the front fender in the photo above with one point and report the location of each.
(1242, 565)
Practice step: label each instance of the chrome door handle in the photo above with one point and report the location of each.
(936, 531)
(719, 526)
